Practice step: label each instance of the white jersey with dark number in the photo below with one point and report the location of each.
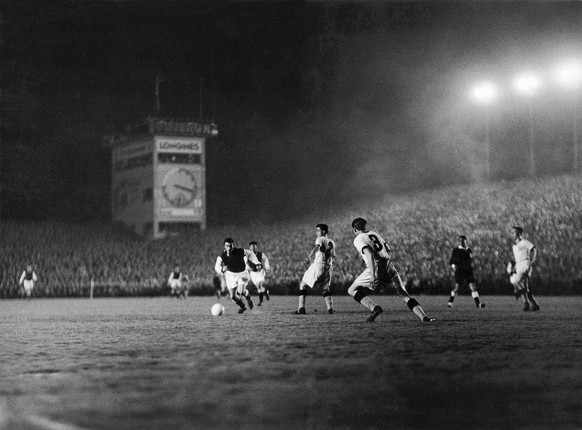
(375, 243)
(326, 251)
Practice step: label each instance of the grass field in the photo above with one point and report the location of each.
(158, 363)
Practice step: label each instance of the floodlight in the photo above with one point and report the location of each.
(527, 83)
(485, 92)
(569, 74)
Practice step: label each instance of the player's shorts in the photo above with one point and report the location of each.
(175, 284)
(522, 272)
(317, 274)
(385, 273)
(236, 280)
(464, 276)
(28, 285)
(258, 277)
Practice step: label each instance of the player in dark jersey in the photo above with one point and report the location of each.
(232, 262)
(27, 280)
(461, 262)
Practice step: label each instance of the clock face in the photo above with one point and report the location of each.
(179, 187)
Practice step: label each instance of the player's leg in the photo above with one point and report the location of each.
(257, 282)
(242, 283)
(535, 306)
(360, 289)
(411, 302)
(475, 295)
(233, 293)
(519, 280)
(301, 299)
(309, 280)
(453, 294)
(325, 281)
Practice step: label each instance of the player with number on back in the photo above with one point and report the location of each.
(379, 271)
(319, 272)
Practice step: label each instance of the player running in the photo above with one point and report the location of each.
(232, 263)
(461, 262)
(258, 272)
(27, 280)
(379, 271)
(319, 272)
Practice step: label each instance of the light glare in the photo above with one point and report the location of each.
(527, 83)
(485, 92)
(569, 74)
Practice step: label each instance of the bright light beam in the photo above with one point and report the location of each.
(569, 74)
(485, 92)
(527, 83)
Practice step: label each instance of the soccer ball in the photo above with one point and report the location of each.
(217, 309)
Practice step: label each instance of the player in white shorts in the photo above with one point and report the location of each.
(258, 272)
(27, 280)
(318, 272)
(525, 254)
(379, 271)
(232, 262)
(175, 282)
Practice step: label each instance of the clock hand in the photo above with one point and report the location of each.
(180, 187)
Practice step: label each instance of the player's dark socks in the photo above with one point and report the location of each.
(261, 298)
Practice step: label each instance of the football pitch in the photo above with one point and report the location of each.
(161, 363)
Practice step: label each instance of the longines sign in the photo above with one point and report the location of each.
(177, 144)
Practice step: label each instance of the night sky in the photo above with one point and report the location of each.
(317, 103)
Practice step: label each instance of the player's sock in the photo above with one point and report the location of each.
(415, 307)
(452, 298)
(475, 296)
(328, 300)
(302, 294)
(361, 296)
(260, 299)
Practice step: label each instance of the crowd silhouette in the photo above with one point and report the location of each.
(421, 228)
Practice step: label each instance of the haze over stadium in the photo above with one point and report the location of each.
(313, 99)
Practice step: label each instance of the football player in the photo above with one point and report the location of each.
(525, 254)
(461, 262)
(259, 271)
(232, 262)
(380, 270)
(318, 272)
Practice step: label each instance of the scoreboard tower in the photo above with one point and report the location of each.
(158, 184)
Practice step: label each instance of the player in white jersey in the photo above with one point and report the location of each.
(379, 271)
(259, 271)
(175, 282)
(27, 280)
(525, 254)
(319, 272)
(233, 263)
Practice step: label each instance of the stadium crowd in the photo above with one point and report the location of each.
(422, 228)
